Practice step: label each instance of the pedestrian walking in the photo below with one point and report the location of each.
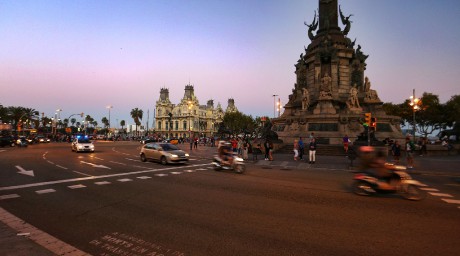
(410, 147)
(312, 151)
(396, 151)
(270, 150)
(267, 149)
(296, 150)
(245, 150)
(301, 148)
(346, 141)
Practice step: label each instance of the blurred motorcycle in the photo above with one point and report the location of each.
(400, 182)
(237, 165)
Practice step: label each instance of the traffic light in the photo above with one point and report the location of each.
(373, 125)
(367, 119)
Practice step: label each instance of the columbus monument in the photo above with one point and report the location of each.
(332, 94)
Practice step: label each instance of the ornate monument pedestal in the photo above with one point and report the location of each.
(331, 93)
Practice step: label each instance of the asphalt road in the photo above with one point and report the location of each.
(110, 203)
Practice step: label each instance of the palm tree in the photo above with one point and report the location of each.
(105, 121)
(122, 124)
(73, 120)
(137, 114)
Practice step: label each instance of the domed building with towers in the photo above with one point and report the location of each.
(188, 118)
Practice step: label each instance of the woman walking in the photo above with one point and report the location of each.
(312, 151)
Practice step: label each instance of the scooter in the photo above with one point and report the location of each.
(238, 164)
(400, 183)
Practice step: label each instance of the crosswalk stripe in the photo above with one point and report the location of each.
(9, 196)
(429, 189)
(440, 194)
(77, 186)
(451, 201)
(45, 191)
(102, 183)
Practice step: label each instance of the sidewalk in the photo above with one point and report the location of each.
(15, 244)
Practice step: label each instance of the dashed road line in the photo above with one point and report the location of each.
(10, 196)
(118, 163)
(45, 191)
(429, 189)
(451, 201)
(102, 183)
(77, 186)
(175, 173)
(125, 180)
(144, 177)
(440, 194)
(161, 174)
(94, 177)
(62, 167)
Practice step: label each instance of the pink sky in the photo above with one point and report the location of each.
(80, 56)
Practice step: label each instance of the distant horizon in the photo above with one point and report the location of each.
(81, 56)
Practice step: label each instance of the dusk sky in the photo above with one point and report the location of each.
(83, 55)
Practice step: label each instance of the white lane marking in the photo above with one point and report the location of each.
(143, 167)
(97, 177)
(130, 159)
(125, 180)
(161, 174)
(25, 172)
(2, 197)
(144, 177)
(201, 169)
(77, 186)
(50, 162)
(95, 165)
(102, 183)
(97, 158)
(62, 167)
(429, 189)
(440, 194)
(45, 191)
(84, 174)
(117, 163)
(451, 201)
(175, 173)
(193, 170)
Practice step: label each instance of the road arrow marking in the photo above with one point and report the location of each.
(23, 171)
(95, 165)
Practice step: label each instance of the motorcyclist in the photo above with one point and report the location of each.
(225, 153)
(374, 162)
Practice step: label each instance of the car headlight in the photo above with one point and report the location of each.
(175, 156)
(187, 155)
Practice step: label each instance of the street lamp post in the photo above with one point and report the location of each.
(109, 107)
(58, 118)
(274, 105)
(414, 103)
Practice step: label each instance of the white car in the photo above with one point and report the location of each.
(82, 144)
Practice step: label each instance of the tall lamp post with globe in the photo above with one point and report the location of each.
(415, 105)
